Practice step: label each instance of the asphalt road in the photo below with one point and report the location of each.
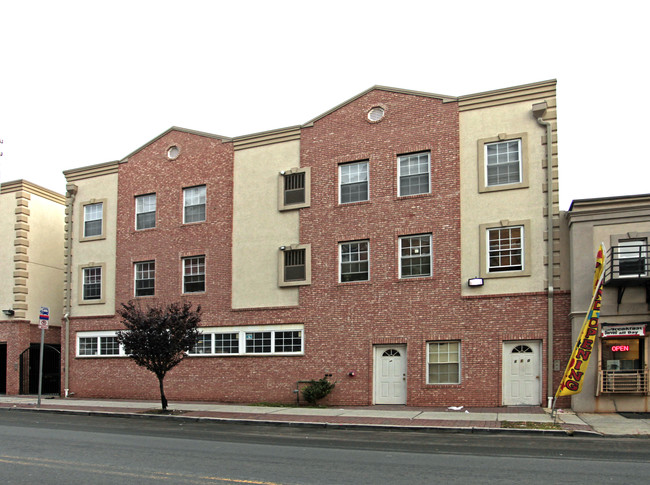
(49, 448)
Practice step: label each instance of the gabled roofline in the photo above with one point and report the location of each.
(175, 128)
(442, 97)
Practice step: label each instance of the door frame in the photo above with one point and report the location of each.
(536, 345)
(381, 348)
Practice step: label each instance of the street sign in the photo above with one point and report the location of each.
(44, 318)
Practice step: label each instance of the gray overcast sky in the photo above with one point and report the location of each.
(88, 82)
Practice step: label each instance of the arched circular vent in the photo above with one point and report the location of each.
(376, 114)
(173, 152)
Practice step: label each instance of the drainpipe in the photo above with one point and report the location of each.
(71, 190)
(539, 109)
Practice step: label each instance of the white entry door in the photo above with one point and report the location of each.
(522, 382)
(390, 374)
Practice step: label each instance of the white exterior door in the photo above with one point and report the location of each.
(390, 374)
(522, 383)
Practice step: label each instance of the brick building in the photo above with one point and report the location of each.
(405, 243)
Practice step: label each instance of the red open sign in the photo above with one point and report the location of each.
(620, 348)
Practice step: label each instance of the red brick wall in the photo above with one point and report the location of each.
(342, 321)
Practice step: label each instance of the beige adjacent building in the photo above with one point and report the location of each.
(617, 376)
(31, 278)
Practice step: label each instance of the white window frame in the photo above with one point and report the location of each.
(243, 332)
(357, 177)
(407, 158)
(482, 147)
(194, 197)
(143, 205)
(354, 260)
(439, 343)
(138, 269)
(84, 281)
(505, 144)
(414, 255)
(98, 336)
(97, 215)
(194, 270)
(501, 252)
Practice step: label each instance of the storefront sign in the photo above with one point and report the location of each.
(636, 330)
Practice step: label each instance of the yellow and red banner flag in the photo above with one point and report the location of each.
(584, 347)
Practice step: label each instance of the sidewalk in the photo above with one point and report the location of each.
(470, 420)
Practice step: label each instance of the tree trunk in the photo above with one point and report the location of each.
(163, 399)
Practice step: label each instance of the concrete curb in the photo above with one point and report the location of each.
(313, 424)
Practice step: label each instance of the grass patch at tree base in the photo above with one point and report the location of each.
(529, 425)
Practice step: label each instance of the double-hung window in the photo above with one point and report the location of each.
(93, 219)
(443, 363)
(145, 278)
(353, 180)
(92, 283)
(354, 258)
(415, 256)
(505, 249)
(194, 274)
(194, 204)
(503, 162)
(145, 211)
(414, 174)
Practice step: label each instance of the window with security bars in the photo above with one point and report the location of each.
(503, 162)
(443, 362)
(258, 342)
(353, 180)
(194, 274)
(294, 188)
(354, 258)
(145, 278)
(92, 283)
(505, 249)
(194, 204)
(93, 219)
(295, 265)
(415, 256)
(145, 211)
(414, 172)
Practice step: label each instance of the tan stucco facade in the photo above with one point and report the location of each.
(31, 244)
(592, 222)
(501, 117)
(89, 186)
(259, 228)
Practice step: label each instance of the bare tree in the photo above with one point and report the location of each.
(157, 337)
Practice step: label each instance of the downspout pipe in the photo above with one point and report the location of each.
(71, 193)
(539, 109)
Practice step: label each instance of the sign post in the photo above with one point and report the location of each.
(43, 322)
